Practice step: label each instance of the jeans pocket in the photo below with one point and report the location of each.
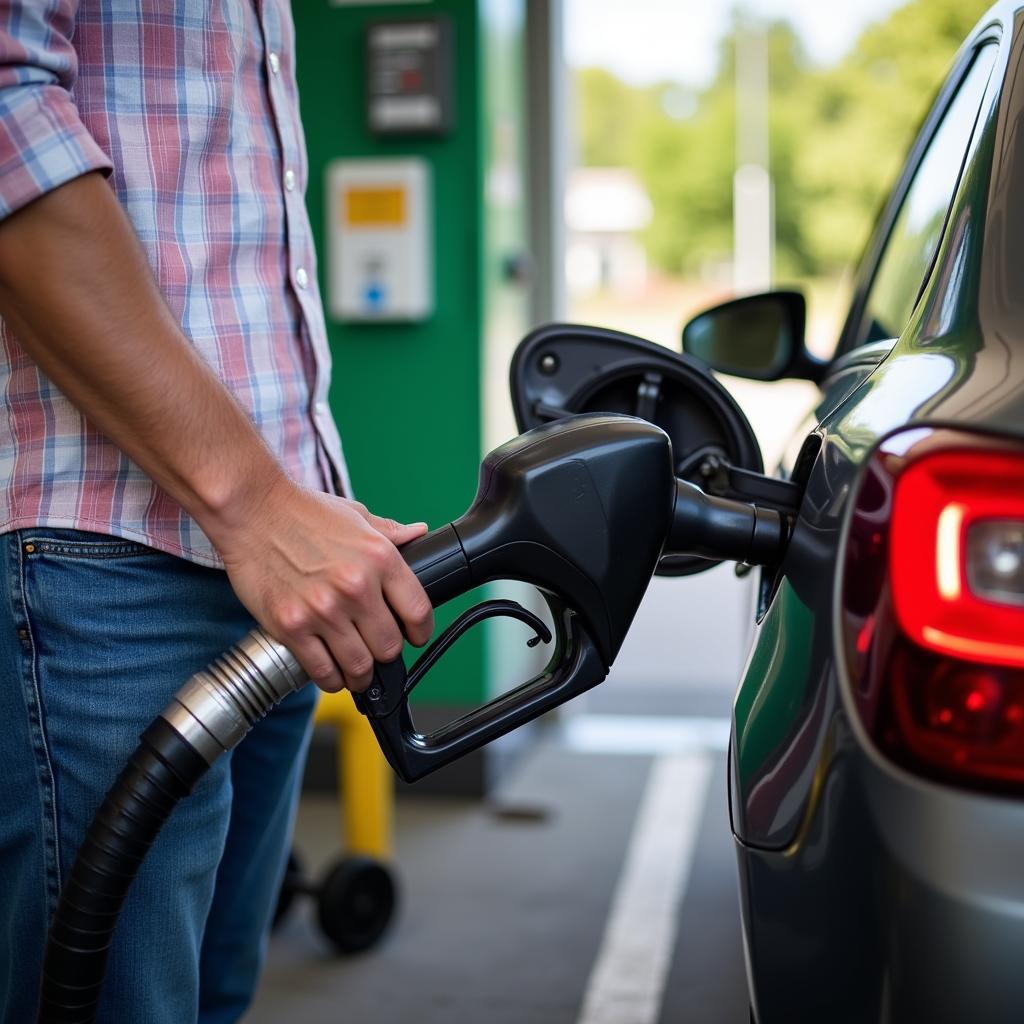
(81, 544)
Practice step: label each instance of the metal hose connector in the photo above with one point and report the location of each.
(217, 707)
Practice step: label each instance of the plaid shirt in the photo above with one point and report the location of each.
(191, 107)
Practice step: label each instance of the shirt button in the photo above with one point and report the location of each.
(289, 180)
(275, 62)
(321, 408)
(301, 277)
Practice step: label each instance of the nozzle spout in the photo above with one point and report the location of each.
(737, 531)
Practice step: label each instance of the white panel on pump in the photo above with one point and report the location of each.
(380, 240)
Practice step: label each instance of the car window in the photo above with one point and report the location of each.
(917, 229)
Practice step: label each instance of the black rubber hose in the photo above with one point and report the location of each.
(163, 769)
(210, 715)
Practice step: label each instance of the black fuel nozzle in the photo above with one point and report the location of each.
(722, 528)
(581, 509)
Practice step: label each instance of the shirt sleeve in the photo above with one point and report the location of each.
(43, 143)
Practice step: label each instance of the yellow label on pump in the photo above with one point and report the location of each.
(374, 207)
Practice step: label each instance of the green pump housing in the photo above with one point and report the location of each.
(418, 403)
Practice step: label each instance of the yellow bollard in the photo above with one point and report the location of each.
(357, 894)
(365, 781)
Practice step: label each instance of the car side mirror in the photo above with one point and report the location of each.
(760, 337)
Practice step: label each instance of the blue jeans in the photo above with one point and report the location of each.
(96, 633)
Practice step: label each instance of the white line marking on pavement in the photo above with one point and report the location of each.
(629, 975)
(644, 734)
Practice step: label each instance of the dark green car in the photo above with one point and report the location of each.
(877, 756)
(877, 762)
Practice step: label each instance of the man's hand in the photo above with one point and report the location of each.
(324, 577)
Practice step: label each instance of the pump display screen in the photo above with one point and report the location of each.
(409, 76)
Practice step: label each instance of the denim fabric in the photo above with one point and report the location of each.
(96, 633)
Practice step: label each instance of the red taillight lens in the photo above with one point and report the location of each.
(965, 719)
(955, 554)
(933, 606)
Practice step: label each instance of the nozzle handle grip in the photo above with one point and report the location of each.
(439, 563)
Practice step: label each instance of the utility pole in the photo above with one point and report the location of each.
(753, 208)
(547, 117)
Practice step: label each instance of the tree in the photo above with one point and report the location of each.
(865, 113)
(609, 115)
(838, 136)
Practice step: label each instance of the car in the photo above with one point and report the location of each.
(876, 762)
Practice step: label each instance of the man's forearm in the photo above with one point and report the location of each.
(76, 288)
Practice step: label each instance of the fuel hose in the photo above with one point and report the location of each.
(210, 715)
(207, 717)
(521, 526)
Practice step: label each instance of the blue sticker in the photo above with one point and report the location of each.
(373, 296)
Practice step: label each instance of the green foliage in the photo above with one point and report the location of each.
(838, 136)
(610, 116)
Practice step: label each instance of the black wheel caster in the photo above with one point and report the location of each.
(357, 903)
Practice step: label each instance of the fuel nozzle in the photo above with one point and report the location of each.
(722, 528)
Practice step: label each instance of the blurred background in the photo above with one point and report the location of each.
(714, 150)
(624, 164)
(695, 176)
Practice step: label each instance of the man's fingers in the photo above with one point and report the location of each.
(380, 632)
(318, 664)
(351, 653)
(410, 604)
(402, 590)
(397, 533)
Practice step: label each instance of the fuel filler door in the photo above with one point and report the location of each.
(561, 370)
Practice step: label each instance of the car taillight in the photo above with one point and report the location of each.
(933, 606)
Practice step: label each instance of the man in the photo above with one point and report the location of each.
(165, 449)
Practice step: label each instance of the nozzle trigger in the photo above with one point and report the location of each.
(392, 683)
(466, 621)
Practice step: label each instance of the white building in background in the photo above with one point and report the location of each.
(605, 208)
